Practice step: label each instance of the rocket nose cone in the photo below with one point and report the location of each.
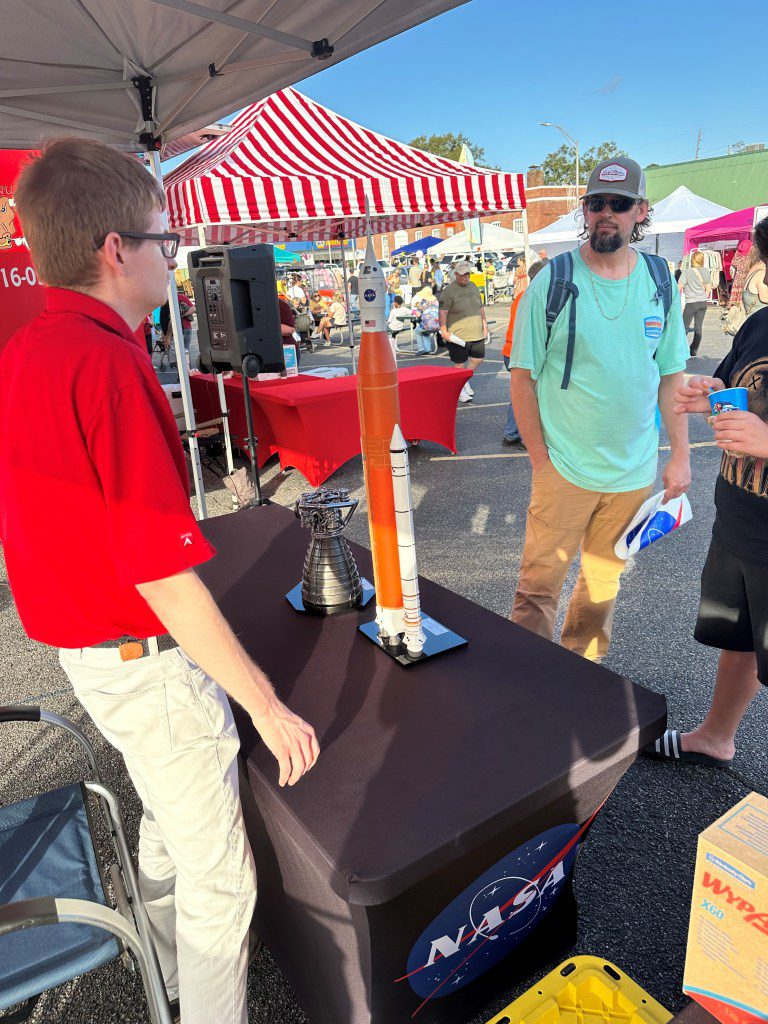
(397, 442)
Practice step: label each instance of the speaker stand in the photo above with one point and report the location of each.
(252, 443)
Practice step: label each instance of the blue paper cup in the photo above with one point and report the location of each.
(728, 400)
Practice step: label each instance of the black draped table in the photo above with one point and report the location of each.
(425, 864)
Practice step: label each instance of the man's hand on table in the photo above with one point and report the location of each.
(290, 739)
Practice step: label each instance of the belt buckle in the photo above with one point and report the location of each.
(131, 650)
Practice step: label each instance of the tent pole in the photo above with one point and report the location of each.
(181, 362)
(219, 377)
(350, 328)
(526, 243)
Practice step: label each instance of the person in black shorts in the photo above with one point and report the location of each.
(733, 610)
(463, 324)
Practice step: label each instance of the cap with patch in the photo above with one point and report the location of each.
(618, 176)
(462, 267)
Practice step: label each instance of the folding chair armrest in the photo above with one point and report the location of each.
(27, 914)
(49, 910)
(19, 713)
(33, 713)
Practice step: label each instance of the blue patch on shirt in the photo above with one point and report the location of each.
(653, 326)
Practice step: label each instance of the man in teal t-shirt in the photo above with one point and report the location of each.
(593, 445)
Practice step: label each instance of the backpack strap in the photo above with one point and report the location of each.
(658, 268)
(561, 286)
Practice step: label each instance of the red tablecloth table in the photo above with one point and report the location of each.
(313, 424)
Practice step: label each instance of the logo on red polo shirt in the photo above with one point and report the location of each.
(186, 540)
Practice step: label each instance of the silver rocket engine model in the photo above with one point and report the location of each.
(330, 581)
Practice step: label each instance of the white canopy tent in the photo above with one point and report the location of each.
(494, 239)
(672, 217)
(139, 74)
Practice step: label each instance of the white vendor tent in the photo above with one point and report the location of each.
(494, 238)
(672, 217)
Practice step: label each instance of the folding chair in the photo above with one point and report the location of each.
(55, 922)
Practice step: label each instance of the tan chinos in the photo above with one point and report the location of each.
(561, 519)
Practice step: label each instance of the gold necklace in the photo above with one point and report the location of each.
(594, 290)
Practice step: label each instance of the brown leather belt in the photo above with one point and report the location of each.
(131, 647)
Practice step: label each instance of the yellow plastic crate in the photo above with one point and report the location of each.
(584, 990)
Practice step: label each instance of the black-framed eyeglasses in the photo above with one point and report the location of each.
(619, 204)
(169, 240)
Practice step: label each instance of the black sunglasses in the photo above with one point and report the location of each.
(619, 204)
(169, 241)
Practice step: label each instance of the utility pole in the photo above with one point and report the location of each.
(698, 145)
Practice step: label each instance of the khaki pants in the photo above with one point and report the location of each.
(562, 518)
(174, 727)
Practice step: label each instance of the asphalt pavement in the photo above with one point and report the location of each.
(634, 875)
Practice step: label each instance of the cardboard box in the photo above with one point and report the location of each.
(726, 965)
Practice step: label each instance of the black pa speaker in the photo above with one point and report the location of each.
(238, 317)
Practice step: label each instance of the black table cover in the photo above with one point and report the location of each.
(425, 863)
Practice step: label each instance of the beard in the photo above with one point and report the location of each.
(606, 241)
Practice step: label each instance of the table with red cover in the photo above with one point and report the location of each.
(424, 866)
(313, 424)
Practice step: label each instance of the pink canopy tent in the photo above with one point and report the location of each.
(732, 227)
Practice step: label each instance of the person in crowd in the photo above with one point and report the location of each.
(354, 289)
(297, 296)
(114, 585)
(743, 261)
(490, 274)
(394, 322)
(425, 302)
(463, 323)
(755, 292)
(414, 275)
(520, 280)
(543, 258)
(511, 436)
(733, 607)
(587, 413)
(321, 316)
(427, 276)
(187, 312)
(288, 325)
(338, 310)
(696, 291)
(438, 277)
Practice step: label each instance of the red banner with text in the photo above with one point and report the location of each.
(21, 295)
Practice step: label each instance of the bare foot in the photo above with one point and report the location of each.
(700, 742)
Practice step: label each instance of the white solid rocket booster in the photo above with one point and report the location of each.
(406, 540)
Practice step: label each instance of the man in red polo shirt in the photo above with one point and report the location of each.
(101, 545)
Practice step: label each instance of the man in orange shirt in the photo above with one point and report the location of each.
(511, 437)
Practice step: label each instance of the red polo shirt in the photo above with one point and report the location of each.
(94, 493)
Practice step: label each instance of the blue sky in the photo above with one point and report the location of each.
(648, 80)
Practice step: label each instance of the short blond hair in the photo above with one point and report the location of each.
(71, 196)
(697, 259)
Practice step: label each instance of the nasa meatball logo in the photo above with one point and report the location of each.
(369, 294)
(493, 915)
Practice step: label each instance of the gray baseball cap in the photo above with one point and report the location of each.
(618, 176)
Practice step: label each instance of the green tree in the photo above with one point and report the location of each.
(559, 167)
(449, 146)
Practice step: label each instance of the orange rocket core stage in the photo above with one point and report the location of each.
(379, 406)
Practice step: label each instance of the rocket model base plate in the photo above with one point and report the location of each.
(293, 597)
(439, 640)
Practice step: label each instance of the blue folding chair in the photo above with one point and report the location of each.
(55, 921)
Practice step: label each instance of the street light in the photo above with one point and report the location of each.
(574, 142)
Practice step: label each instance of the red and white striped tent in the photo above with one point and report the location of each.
(291, 168)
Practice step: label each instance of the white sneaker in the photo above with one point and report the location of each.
(470, 389)
(464, 395)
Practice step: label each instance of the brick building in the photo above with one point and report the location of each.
(545, 204)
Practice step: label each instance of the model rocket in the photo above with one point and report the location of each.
(406, 540)
(379, 406)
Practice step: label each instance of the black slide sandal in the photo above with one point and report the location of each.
(669, 748)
